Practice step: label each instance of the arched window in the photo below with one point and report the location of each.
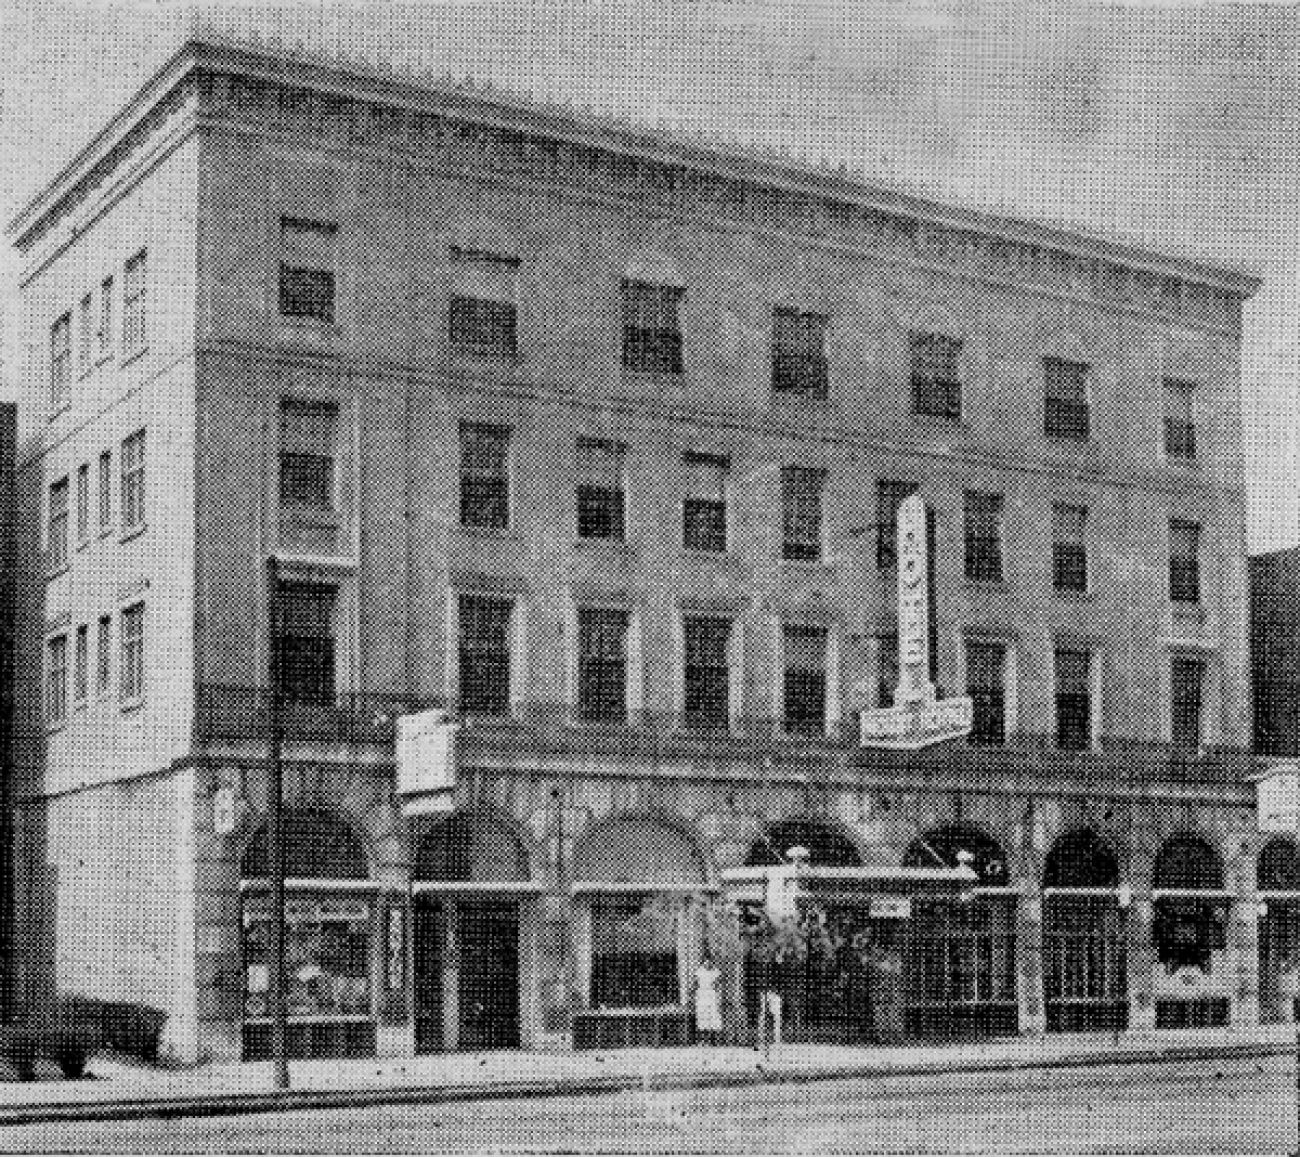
(317, 846)
(1188, 863)
(459, 847)
(1279, 867)
(827, 848)
(1081, 859)
(941, 848)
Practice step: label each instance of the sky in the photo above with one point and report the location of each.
(1173, 125)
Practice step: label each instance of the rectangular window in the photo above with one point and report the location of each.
(56, 549)
(889, 497)
(105, 332)
(103, 657)
(936, 375)
(304, 637)
(600, 489)
(801, 512)
(1069, 547)
(105, 491)
(308, 439)
(81, 666)
(602, 665)
(983, 529)
(634, 952)
(83, 503)
(482, 313)
(799, 354)
(132, 501)
(704, 507)
(804, 655)
(1184, 561)
(1073, 699)
(61, 362)
(1180, 419)
(133, 305)
(886, 669)
(84, 335)
(131, 686)
(307, 269)
(986, 665)
(56, 680)
(1186, 683)
(484, 475)
(484, 628)
(652, 335)
(707, 673)
(1066, 412)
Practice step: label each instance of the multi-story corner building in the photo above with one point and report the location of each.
(595, 438)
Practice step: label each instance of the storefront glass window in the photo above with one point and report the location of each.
(634, 951)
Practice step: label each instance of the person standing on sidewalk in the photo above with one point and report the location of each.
(708, 1003)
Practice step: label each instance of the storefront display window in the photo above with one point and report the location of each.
(634, 951)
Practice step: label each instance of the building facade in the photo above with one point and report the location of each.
(594, 439)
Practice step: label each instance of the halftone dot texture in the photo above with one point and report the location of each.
(501, 386)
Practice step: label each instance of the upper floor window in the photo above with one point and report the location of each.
(61, 362)
(602, 664)
(986, 665)
(652, 335)
(303, 635)
(890, 495)
(801, 512)
(81, 666)
(482, 314)
(133, 304)
(804, 679)
(799, 353)
(56, 680)
(1184, 561)
(103, 658)
(307, 269)
(83, 503)
(1180, 419)
(104, 335)
(983, 536)
(133, 481)
(131, 685)
(484, 475)
(308, 434)
(707, 674)
(57, 526)
(105, 485)
(704, 507)
(484, 654)
(600, 489)
(1073, 671)
(1069, 547)
(1187, 680)
(1066, 413)
(936, 375)
(84, 335)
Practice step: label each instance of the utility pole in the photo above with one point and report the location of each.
(275, 830)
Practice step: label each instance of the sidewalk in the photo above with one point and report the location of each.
(121, 1091)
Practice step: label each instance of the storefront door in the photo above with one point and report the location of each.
(428, 938)
(489, 975)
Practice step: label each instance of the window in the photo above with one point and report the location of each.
(133, 291)
(1066, 412)
(484, 475)
(1073, 699)
(1069, 547)
(1186, 683)
(83, 503)
(983, 536)
(886, 669)
(602, 665)
(889, 497)
(81, 666)
(704, 508)
(105, 491)
(56, 547)
(801, 512)
(600, 489)
(56, 680)
(303, 635)
(484, 628)
(633, 952)
(1184, 561)
(307, 270)
(61, 362)
(133, 481)
(936, 379)
(707, 675)
(986, 664)
(482, 313)
(308, 434)
(652, 336)
(105, 333)
(103, 657)
(1180, 419)
(83, 335)
(131, 686)
(799, 354)
(804, 653)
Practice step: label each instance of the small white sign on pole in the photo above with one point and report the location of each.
(426, 762)
(1277, 798)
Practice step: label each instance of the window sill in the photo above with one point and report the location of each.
(1068, 595)
(489, 533)
(133, 532)
(130, 706)
(134, 355)
(613, 545)
(791, 399)
(939, 421)
(984, 584)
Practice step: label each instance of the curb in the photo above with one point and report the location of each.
(232, 1104)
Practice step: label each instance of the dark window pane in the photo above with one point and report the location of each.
(983, 536)
(652, 339)
(887, 670)
(633, 953)
(889, 497)
(602, 665)
(935, 376)
(985, 683)
(1067, 419)
(805, 680)
(485, 326)
(1184, 561)
(1073, 700)
(484, 655)
(801, 508)
(799, 353)
(1069, 567)
(307, 293)
(307, 480)
(707, 678)
(305, 637)
(600, 512)
(704, 525)
(1186, 682)
(1180, 438)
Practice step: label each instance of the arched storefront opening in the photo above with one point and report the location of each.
(1085, 969)
(329, 940)
(637, 948)
(1278, 884)
(1189, 935)
(961, 955)
(470, 874)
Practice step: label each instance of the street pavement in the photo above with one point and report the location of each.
(1237, 1105)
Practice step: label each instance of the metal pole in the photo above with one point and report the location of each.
(275, 833)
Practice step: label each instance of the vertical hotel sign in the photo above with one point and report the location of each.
(917, 718)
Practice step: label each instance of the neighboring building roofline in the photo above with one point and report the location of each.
(519, 114)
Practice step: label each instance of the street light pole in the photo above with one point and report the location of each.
(275, 831)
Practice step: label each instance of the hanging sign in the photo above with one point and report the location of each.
(1277, 799)
(426, 762)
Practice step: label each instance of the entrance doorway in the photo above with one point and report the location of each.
(1278, 883)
